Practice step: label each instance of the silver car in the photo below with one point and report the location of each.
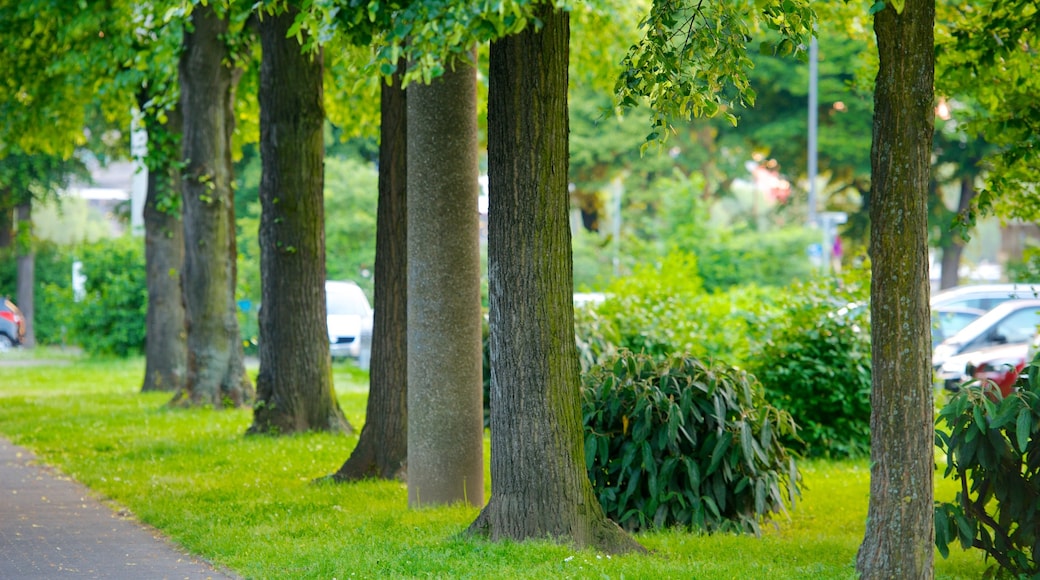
(349, 319)
(1012, 322)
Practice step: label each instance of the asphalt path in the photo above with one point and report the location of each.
(54, 527)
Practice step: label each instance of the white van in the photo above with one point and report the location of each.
(349, 319)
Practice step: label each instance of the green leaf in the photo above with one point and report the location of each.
(1023, 428)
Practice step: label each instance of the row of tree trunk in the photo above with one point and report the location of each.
(540, 486)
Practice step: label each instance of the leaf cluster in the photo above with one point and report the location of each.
(693, 59)
(684, 443)
(816, 365)
(110, 320)
(992, 447)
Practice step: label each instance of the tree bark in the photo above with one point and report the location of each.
(899, 538)
(540, 487)
(216, 371)
(165, 341)
(382, 449)
(6, 222)
(445, 392)
(951, 257)
(294, 386)
(26, 270)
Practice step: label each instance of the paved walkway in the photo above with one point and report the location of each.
(52, 527)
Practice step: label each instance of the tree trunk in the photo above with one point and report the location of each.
(445, 392)
(26, 270)
(6, 223)
(951, 257)
(540, 487)
(900, 534)
(294, 387)
(165, 342)
(382, 449)
(216, 371)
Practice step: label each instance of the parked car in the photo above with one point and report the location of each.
(1014, 322)
(12, 325)
(984, 296)
(999, 365)
(946, 320)
(949, 320)
(349, 318)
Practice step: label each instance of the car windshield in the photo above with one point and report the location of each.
(346, 301)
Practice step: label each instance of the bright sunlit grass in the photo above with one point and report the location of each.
(249, 503)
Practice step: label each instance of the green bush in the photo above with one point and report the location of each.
(663, 310)
(111, 318)
(816, 366)
(683, 443)
(992, 446)
(52, 289)
(769, 258)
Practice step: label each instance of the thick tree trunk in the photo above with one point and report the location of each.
(165, 341)
(382, 449)
(539, 484)
(899, 538)
(216, 372)
(445, 393)
(26, 270)
(294, 387)
(951, 253)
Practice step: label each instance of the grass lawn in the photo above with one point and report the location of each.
(249, 504)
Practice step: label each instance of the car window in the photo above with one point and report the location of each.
(948, 323)
(346, 300)
(1019, 326)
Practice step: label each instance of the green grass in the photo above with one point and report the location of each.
(249, 504)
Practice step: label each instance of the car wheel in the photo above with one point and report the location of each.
(5, 343)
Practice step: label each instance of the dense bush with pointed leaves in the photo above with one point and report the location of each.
(992, 447)
(684, 443)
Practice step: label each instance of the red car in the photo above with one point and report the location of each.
(1000, 366)
(12, 325)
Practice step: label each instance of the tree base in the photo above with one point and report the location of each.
(593, 531)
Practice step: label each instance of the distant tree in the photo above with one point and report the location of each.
(166, 349)
(382, 448)
(216, 370)
(900, 535)
(294, 386)
(445, 409)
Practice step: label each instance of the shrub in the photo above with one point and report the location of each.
(683, 443)
(816, 366)
(52, 290)
(111, 317)
(662, 310)
(732, 257)
(992, 446)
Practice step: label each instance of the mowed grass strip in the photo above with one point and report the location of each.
(251, 504)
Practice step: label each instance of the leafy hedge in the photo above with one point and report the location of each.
(992, 447)
(684, 443)
(816, 366)
(111, 318)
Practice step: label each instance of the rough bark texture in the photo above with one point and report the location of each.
(216, 370)
(6, 222)
(382, 449)
(294, 387)
(445, 373)
(539, 484)
(26, 270)
(165, 349)
(951, 256)
(899, 538)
